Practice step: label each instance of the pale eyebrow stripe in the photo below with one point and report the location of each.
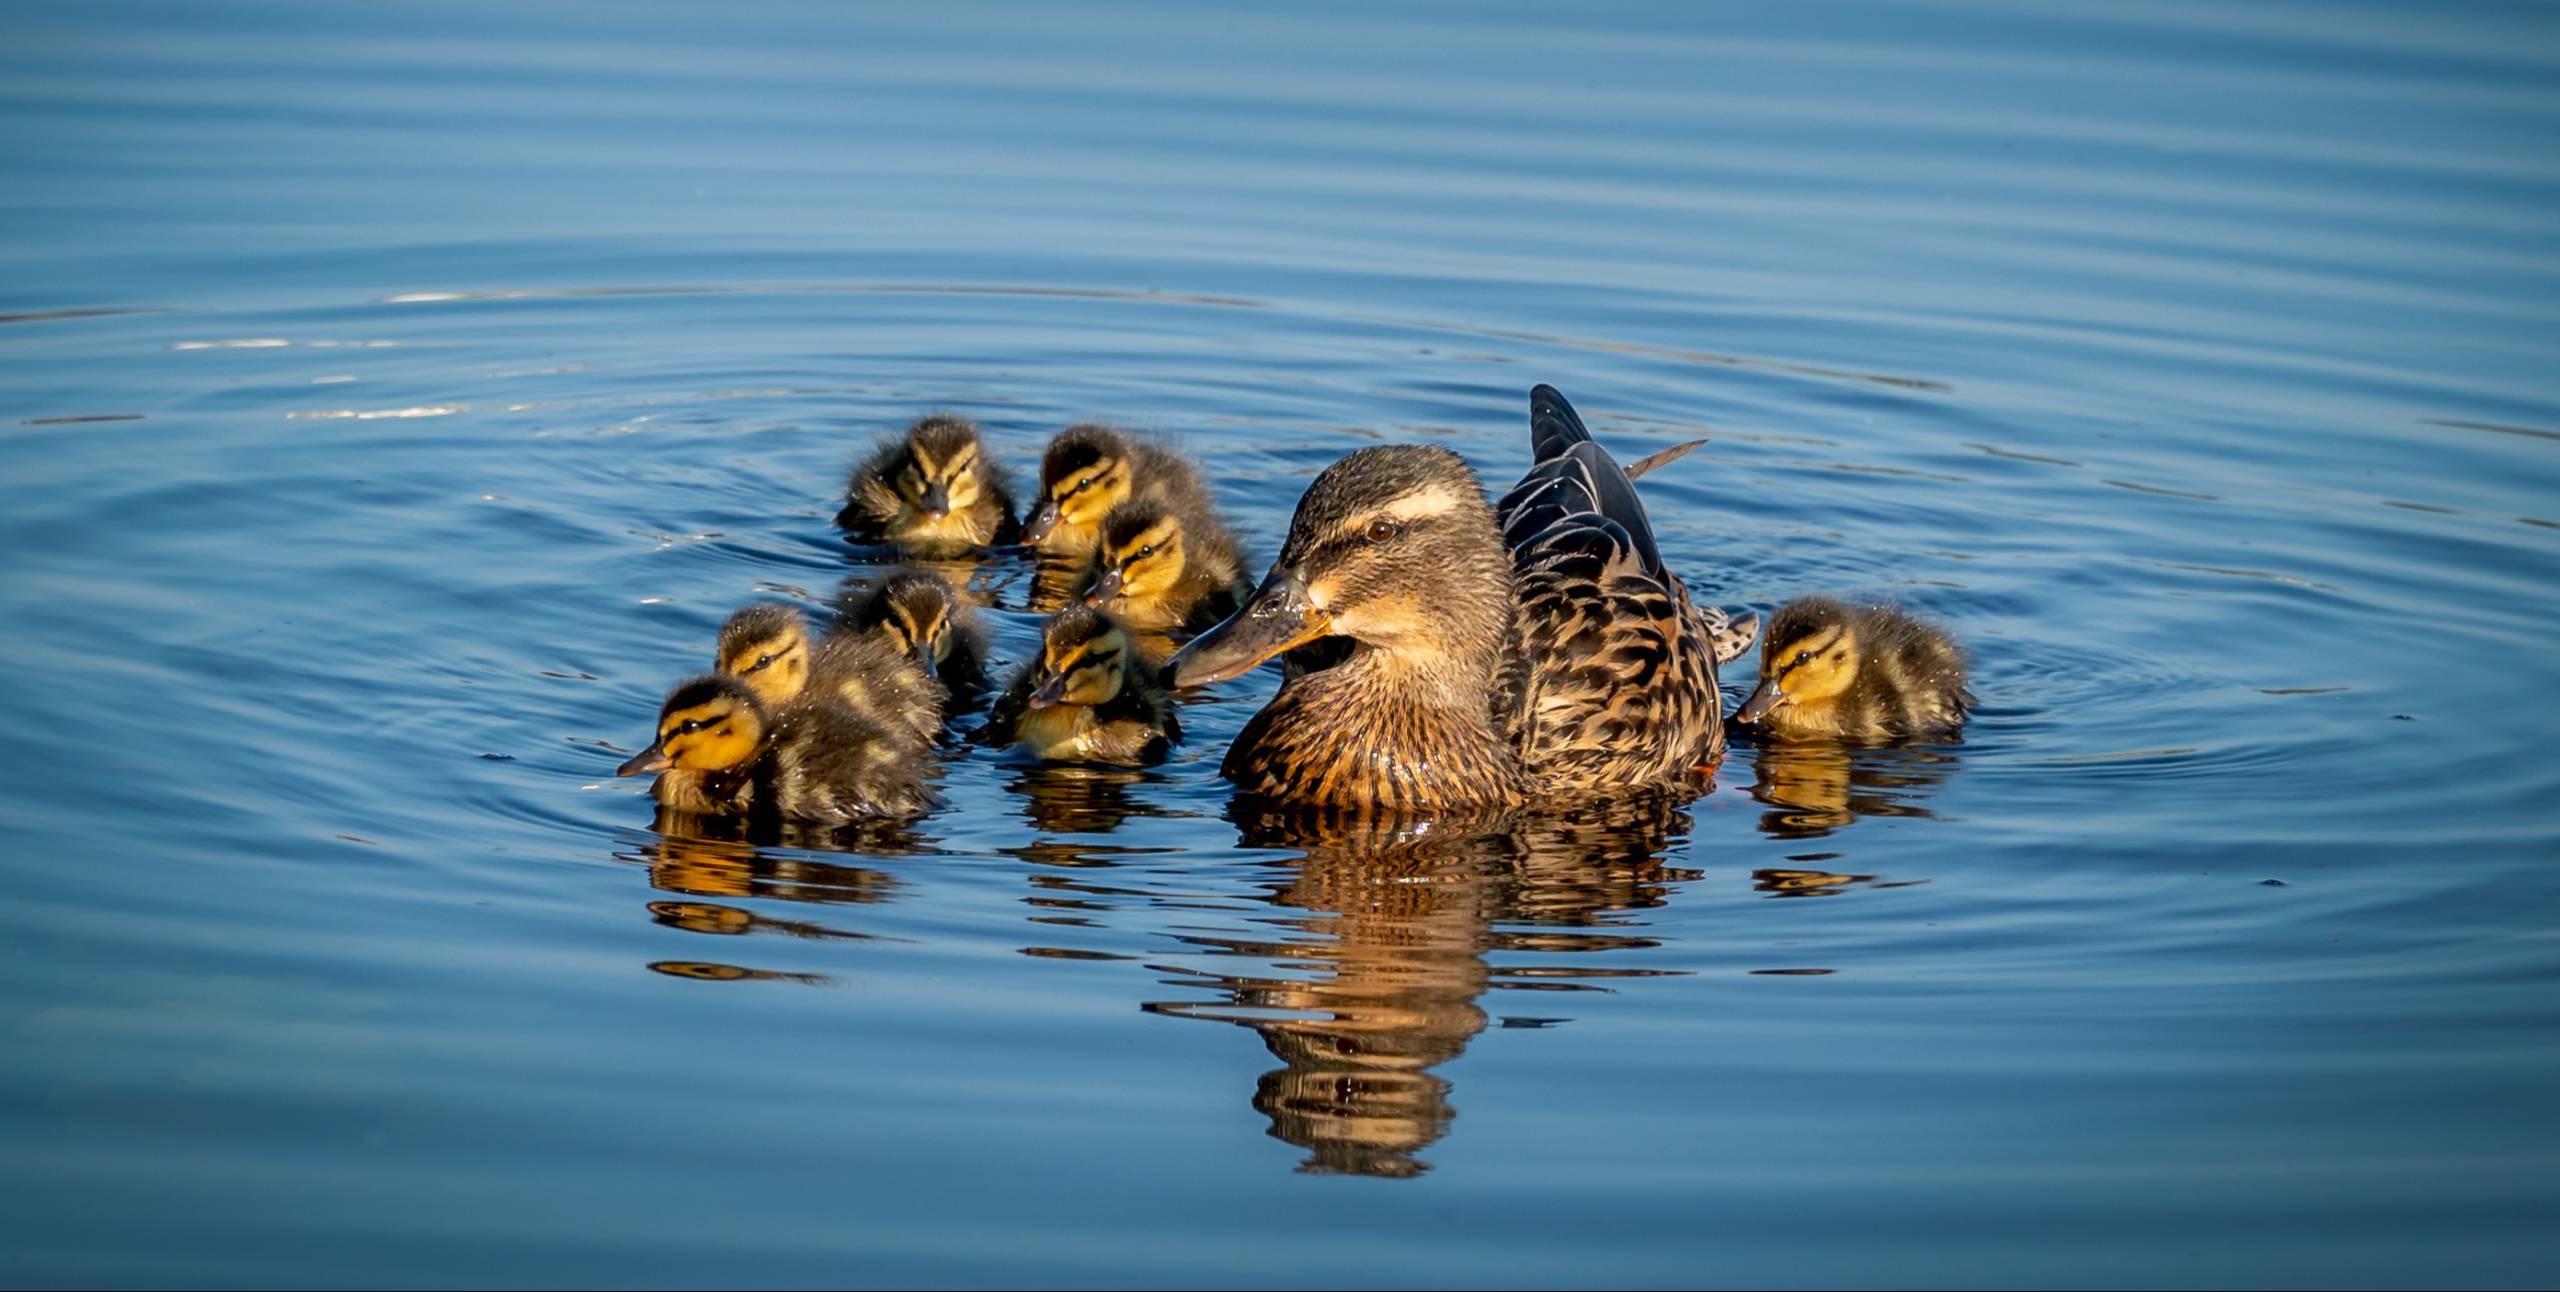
(1412, 507)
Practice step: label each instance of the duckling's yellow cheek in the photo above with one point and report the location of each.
(964, 490)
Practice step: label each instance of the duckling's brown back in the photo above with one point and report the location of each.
(831, 765)
(881, 683)
(1911, 680)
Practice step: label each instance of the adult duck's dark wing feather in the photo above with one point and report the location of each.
(1611, 678)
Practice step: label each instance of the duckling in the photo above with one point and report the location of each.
(1535, 653)
(1089, 470)
(1080, 701)
(1159, 571)
(923, 614)
(769, 648)
(721, 751)
(931, 491)
(1856, 673)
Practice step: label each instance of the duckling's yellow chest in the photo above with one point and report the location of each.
(1064, 732)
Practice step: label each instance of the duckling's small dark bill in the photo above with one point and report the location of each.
(1050, 692)
(1761, 702)
(1281, 615)
(1107, 587)
(647, 760)
(1041, 522)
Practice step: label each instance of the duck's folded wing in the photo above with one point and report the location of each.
(1612, 681)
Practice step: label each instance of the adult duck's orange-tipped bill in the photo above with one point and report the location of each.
(1041, 521)
(1281, 615)
(1761, 702)
(647, 760)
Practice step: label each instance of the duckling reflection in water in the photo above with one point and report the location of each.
(1865, 673)
(1387, 962)
(930, 491)
(769, 648)
(705, 856)
(1157, 570)
(1086, 698)
(720, 751)
(1814, 787)
(924, 615)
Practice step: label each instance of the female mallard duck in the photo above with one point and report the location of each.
(919, 612)
(1527, 654)
(1856, 673)
(721, 751)
(769, 648)
(1091, 469)
(1159, 570)
(1082, 701)
(930, 491)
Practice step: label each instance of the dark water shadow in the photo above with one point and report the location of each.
(1388, 934)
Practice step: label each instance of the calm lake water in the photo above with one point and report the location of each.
(392, 403)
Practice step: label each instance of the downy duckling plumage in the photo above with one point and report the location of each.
(1159, 570)
(1090, 469)
(1087, 698)
(1866, 673)
(919, 612)
(931, 491)
(1534, 652)
(721, 751)
(770, 648)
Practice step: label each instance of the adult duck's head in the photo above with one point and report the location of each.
(1392, 547)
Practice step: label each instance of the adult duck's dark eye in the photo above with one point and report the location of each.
(1382, 530)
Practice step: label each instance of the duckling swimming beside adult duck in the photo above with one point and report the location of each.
(1864, 673)
(1526, 653)
(1090, 469)
(931, 491)
(721, 751)
(1087, 698)
(919, 612)
(769, 647)
(1157, 570)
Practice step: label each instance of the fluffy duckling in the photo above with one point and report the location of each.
(769, 648)
(932, 491)
(1082, 701)
(721, 751)
(1856, 673)
(1160, 571)
(1091, 469)
(922, 614)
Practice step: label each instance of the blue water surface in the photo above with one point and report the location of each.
(394, 399)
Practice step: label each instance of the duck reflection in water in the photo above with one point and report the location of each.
(1390, 959)
(1814, 787)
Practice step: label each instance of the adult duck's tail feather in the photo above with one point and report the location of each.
(1573, 476)
(1553, 425)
